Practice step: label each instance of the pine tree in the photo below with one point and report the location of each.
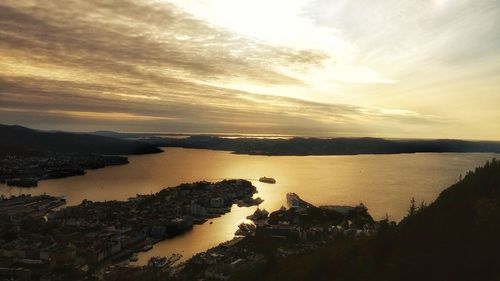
(413, 208)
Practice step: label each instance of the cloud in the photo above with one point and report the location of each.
(169, 66)
(220, 110)
(105, 41)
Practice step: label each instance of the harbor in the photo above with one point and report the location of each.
(92, 235)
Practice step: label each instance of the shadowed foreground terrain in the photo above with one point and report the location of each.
(454, 238)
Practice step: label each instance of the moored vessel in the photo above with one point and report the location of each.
(267, 180)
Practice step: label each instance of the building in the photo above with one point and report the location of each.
(217, 202)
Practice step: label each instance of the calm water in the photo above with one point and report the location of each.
(384, 183)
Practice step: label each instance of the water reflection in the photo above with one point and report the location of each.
(203, 236)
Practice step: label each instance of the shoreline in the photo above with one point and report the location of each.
(31, 180)
(299, 229)
(27, 171)
(107, 233)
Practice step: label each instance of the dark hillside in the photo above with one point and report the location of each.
(454, 238)
(457, 235)
(17, 140)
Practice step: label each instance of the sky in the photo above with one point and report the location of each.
(386, 68)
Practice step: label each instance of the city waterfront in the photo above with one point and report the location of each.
(384, 183)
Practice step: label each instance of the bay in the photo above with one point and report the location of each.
(384, 183)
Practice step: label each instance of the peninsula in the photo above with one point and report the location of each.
(79, 240)
(27, 155)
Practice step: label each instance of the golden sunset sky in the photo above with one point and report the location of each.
(387, 68)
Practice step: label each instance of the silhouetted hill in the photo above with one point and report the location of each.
(454, 238)
(18, 140)
(317, 146)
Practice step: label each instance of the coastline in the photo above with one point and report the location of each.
(27, 171)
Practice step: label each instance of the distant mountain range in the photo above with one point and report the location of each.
(18, 140)
(319, 146)
(21, 140)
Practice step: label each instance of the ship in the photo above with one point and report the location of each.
(267, 180)
(345, 210)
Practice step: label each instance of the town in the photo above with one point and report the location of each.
(292, 231)
(26, 171)
(41, 241)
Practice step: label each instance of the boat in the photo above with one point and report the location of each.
(267, 180)
(345, 210)
(147, 248)
(247, 202)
